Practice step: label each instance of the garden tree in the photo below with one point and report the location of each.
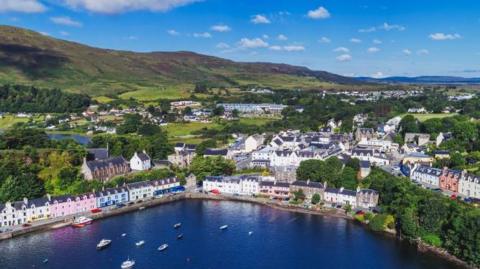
(165, 106)
(349, 178)
(17, 138)
(316, 198)
(159, 146)
(66, 176)
(200, 87)
(432, 213)
(148, 129)
(409, 124)
(23, 185)
(235, 113)
(299, 195)
(456, 160)
(211, 166)
(187, 111)
(131, 122)
(218, 111)
(329, 171)
(17, 98)
(210, 143)
(432, 126)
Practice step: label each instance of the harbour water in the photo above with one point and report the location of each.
(81, 139)
(256, 237)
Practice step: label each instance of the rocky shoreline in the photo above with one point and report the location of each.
(421, 246)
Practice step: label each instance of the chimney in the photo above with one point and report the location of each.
(308, 182)
(341, 189)
(25, 200)
(49, 197)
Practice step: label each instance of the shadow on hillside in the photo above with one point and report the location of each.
(32, 62)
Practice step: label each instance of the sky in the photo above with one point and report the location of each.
(376, 38)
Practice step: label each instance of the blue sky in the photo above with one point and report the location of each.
(348, 37)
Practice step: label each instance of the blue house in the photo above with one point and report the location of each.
(112, 196)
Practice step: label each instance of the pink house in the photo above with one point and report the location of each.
(71, 205)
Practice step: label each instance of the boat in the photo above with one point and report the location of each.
(128, 264)
(176, 226)
(141, 208)
(103, 243)
(223, 227)
(124, 234)
(180, 236)
(140, 243)
(81, 222)
(163, 247)
(250, 233)
(45, 261)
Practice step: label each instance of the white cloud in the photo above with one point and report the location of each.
(373, 50)
(368, 30)
(377, 41)
(385, 26)
(202, 35)
(288, 48)
(222, 45)
(319, 13)
(294, 48)
(442, 36)
(344, 58)
(407, 52)
(173, 32)
(221, 28)
(265, 36)
(248, 43)
(378, 75)
(131, 37)
(121, 6)
(355, 40)
(423, 52)
(276, 48)
(342, 49)
(324, 39)
(64, 33)
(67, 21)
(282, 37)
(24, 6)
(44, 33)
(260, 19)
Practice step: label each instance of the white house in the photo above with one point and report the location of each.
(340, 196)
(426, 175)
(139, 190)
(38, 209)
(243, 184)
(469, 186)
(12, 214)
(253, 142)
(140, 161)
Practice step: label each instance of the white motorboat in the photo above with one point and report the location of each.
(176, 226)
(103, 243)
(250, 233)
(128, 264)
(223, 227)
(163, 247)
(140, 243)
(124, 234)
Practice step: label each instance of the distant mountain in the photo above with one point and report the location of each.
(32, 58)
(422, 80)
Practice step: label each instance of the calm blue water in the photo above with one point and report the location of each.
(280, 240)
(81, 139)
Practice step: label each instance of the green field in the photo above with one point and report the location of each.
(185, 129)
(257, 121)
(8, 121)
(148, 94)
(424, 117)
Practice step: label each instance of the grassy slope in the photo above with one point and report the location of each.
(424, 117)
(29, 57)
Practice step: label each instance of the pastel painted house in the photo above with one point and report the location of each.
(140, 191)
(167, 185)
(111, 196)
(71, 205)
(13, 213)
(37, 209)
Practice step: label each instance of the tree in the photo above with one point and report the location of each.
(299, 195)
(211, 166)
(17, 187)
(316, 198)
(409, 124)
(210, 143)
(218, 111)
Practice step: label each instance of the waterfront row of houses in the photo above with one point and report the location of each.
(27, 211)
(257, 185)
(453, 181)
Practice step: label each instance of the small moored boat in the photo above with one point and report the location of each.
(124, 234)
(128, 264)
(223, 227)
(81, 222)
(180, 236)
(176, 226)
(45, 261)
(103, 243)
(141, 208)
(250, 233)
(163, 247)
(140, 243)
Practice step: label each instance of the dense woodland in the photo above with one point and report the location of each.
(16, 98)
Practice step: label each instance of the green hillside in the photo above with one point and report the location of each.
(27, 57)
